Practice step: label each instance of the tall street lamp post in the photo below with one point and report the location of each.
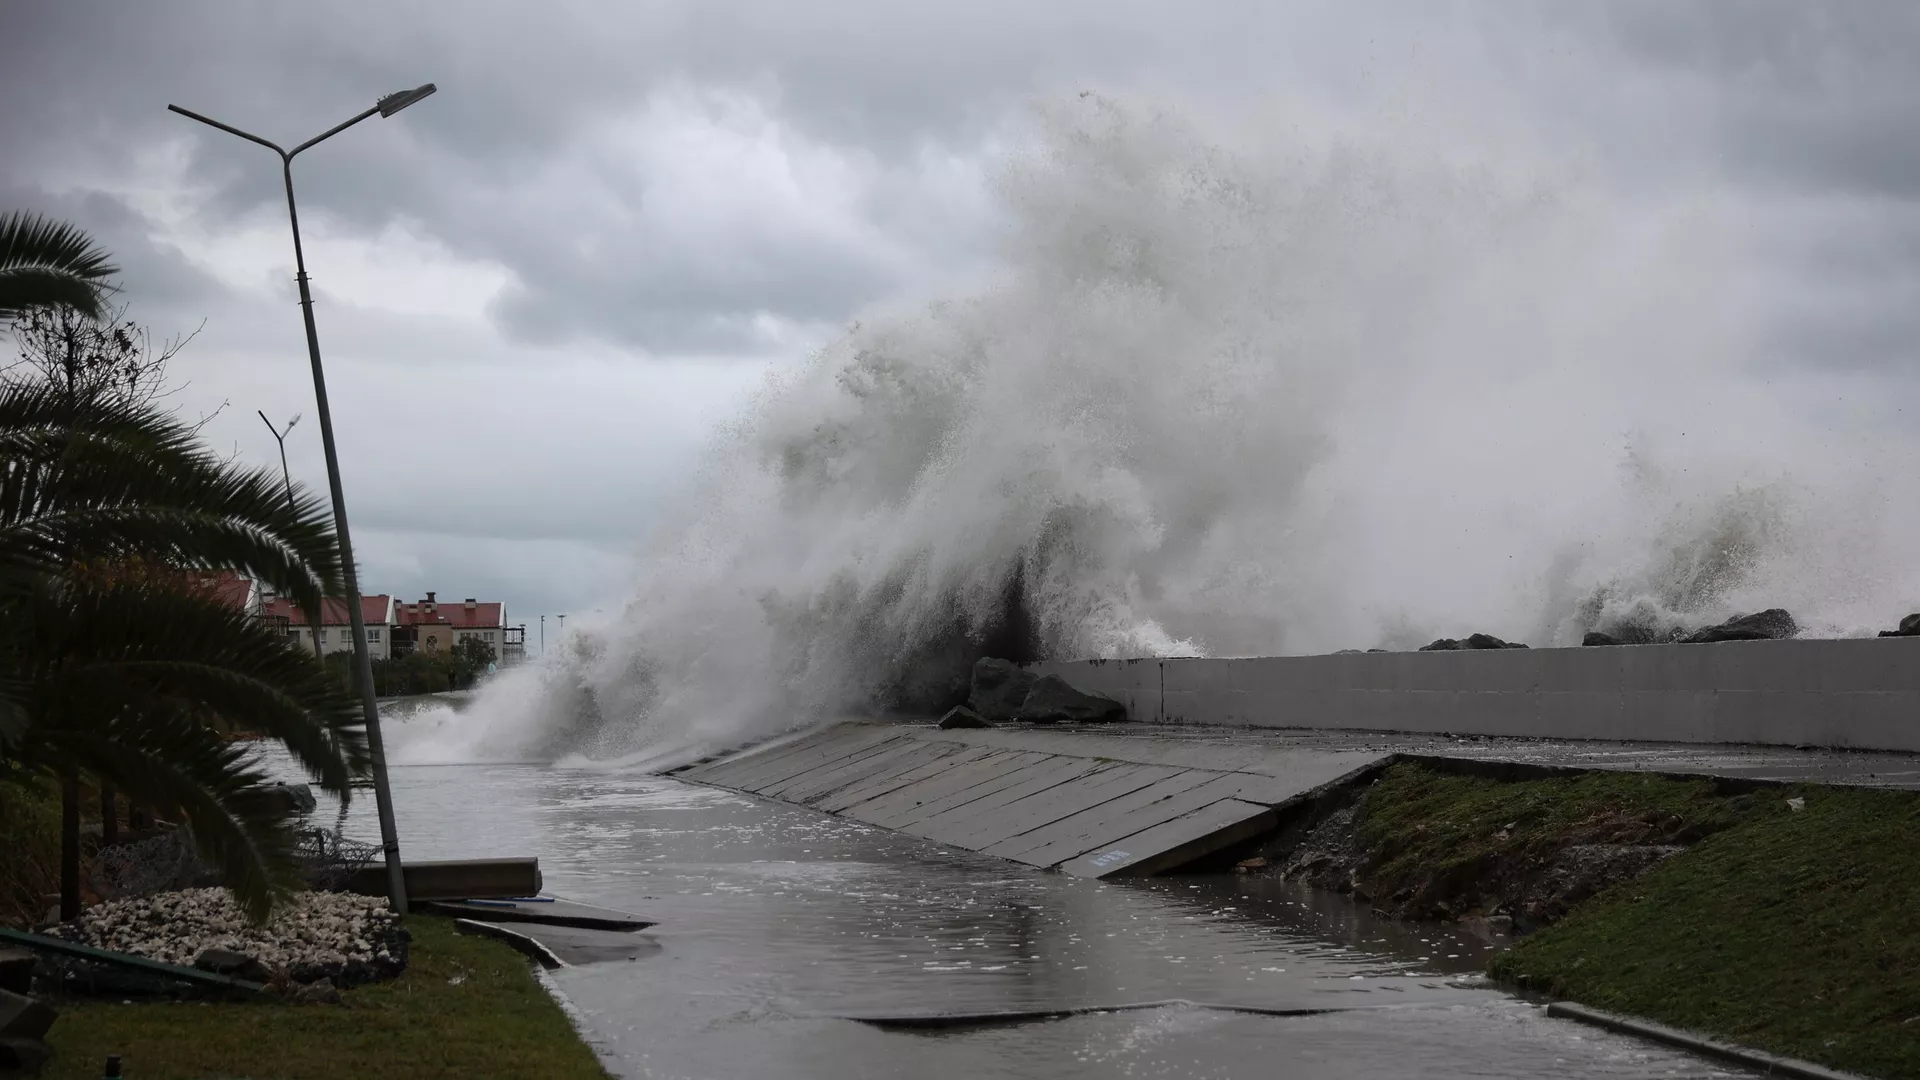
(362, 660)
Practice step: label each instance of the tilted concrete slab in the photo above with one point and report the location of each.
(833, 776)
(935, 760)
(998, 789)
(1035, 779)
(866, 755)
(831, 746)
(1062, 800)
(1175, 843)
(1127, 814)
(898, 806)
(1043, 798)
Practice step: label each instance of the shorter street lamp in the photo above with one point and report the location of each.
(362, 659)
(280, 436)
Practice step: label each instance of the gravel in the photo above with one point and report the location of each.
(347, 938)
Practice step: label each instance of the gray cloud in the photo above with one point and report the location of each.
(662, 179)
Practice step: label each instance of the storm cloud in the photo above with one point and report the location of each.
(543, 289)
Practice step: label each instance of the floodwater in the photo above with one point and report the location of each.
(776, 924)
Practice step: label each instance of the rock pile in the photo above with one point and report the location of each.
(1770, 625)
(1002, 691)
(346, 938)
(1471, 641)
(1909, 627)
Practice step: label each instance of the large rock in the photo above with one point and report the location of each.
(1053, 701)
(1471, 641)
(237, 965)
(1000, 687)
(1769, 625)
(1909, 627)
(1595, 637)
(962, 717)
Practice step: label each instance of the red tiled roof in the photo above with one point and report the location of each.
(333, 611)
(223, 586)
(457, 614)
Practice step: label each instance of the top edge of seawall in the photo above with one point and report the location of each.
(1850, 693)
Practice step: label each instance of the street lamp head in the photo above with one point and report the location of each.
(398, 100)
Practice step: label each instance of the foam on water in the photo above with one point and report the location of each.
(1243, 391)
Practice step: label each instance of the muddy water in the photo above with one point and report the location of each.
(776, 924)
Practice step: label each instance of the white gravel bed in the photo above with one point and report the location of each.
(344, 937)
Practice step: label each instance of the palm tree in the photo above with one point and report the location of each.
(109, 666)
(49, 264)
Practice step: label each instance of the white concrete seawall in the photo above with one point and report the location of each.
(1860, 694)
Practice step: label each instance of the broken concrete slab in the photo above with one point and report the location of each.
(962, 717)
(453, 879)
(22, 1017)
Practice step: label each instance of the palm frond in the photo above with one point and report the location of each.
(96, 655)
(45, 262)
(138, 683)
(100, 480)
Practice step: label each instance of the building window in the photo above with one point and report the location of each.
(373, 635)
(323, 637)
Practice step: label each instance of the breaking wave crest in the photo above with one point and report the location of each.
(1235, 392)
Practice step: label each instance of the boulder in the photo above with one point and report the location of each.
(298, 797)
(1053, 701)
(1769, 625)
(318, 992)
(999, 688)
(236, 965)
(1471, 641)
(962, 717)
(1595, 637)
(1909, 627)
(21, 1017)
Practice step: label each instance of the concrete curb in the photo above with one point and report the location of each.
(520, 943)
(1699, 1044)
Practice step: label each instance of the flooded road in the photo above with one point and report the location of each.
(776, 924)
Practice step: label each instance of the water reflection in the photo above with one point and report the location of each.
(774, 921)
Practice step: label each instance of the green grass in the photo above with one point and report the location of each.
(1797, 933)
(1440, 844)
(466, 1007)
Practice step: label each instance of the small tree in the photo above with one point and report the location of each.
(110, 360)
(473, 653)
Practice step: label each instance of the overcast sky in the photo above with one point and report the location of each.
(540, 290)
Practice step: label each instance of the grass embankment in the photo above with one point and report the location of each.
(1437, 844)
(466, 1007)
(1797, 932)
